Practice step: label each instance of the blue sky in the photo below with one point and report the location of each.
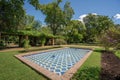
(81, 8)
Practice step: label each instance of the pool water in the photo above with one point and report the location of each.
(58, 61)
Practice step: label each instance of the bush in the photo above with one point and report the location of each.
(117, 53)
(111, 38)
(26, 44)
(2, 43)
(42, 39)
(60, 41)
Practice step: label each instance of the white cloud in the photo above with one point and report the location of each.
(84, 15)
(81, 17)
(117, 16)
(94, 13)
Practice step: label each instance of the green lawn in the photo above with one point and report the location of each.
(13, 69)
(90, 70)
(117, 53)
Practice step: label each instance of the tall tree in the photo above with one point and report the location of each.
(68, 12)
(37, 25)
(12, 12)
(73, 31)
(95, 25)
(55, 16)
(27, 22)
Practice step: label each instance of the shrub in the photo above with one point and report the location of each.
(2, 43)
(111, 38)
(26, 44)
(117, 53)
(60, 41)
(43, 39)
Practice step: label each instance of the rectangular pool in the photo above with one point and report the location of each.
(57, 61)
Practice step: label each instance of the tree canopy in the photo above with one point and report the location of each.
(58, 19)
(12, 12)
(95, 25)
(55, 16)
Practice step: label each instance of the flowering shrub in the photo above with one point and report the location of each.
(111, 38)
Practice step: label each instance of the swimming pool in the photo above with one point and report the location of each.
(57, 61)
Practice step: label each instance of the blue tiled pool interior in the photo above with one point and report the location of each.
(58, 61)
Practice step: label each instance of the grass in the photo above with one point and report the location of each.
(12, 69)
(90, 70)
(117, 53)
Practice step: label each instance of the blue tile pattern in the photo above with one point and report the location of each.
(58, 61)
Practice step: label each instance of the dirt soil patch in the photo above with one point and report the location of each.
(110, 66)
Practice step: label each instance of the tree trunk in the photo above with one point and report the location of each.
(35, 41)
(53, 41)
(26, 37)
(0, 35)
(20, 40)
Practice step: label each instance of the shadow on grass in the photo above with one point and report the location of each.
(87, 73)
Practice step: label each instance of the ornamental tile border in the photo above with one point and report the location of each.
(53, 76)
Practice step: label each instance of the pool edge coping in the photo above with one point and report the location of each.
(53, 76)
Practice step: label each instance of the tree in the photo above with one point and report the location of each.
(29, 26)
(55, 16)
(29, 23)
(73, 31)
(95, 25)
(11, 14)
(37, 25)
(68, 12)
(111, 38)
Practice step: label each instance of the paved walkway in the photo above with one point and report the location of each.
(11, 49)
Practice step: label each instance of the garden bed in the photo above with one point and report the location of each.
(110, 66)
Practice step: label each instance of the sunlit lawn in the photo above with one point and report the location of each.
(13, 69)
(117, 53)
(90, 70)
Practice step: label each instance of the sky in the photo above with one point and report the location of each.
(81, 8)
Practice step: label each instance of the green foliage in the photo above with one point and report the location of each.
(45, 30)
(12, 13)
(117, 53)
(68, 13)
(60, 42)
(2, 43)
(37, 25)
(73, 31)
(111, 38)
(26, 44)
(95, 25)
(13, 69)
(28, 23)
(55, 16)
(43, 39)
(88, 73)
